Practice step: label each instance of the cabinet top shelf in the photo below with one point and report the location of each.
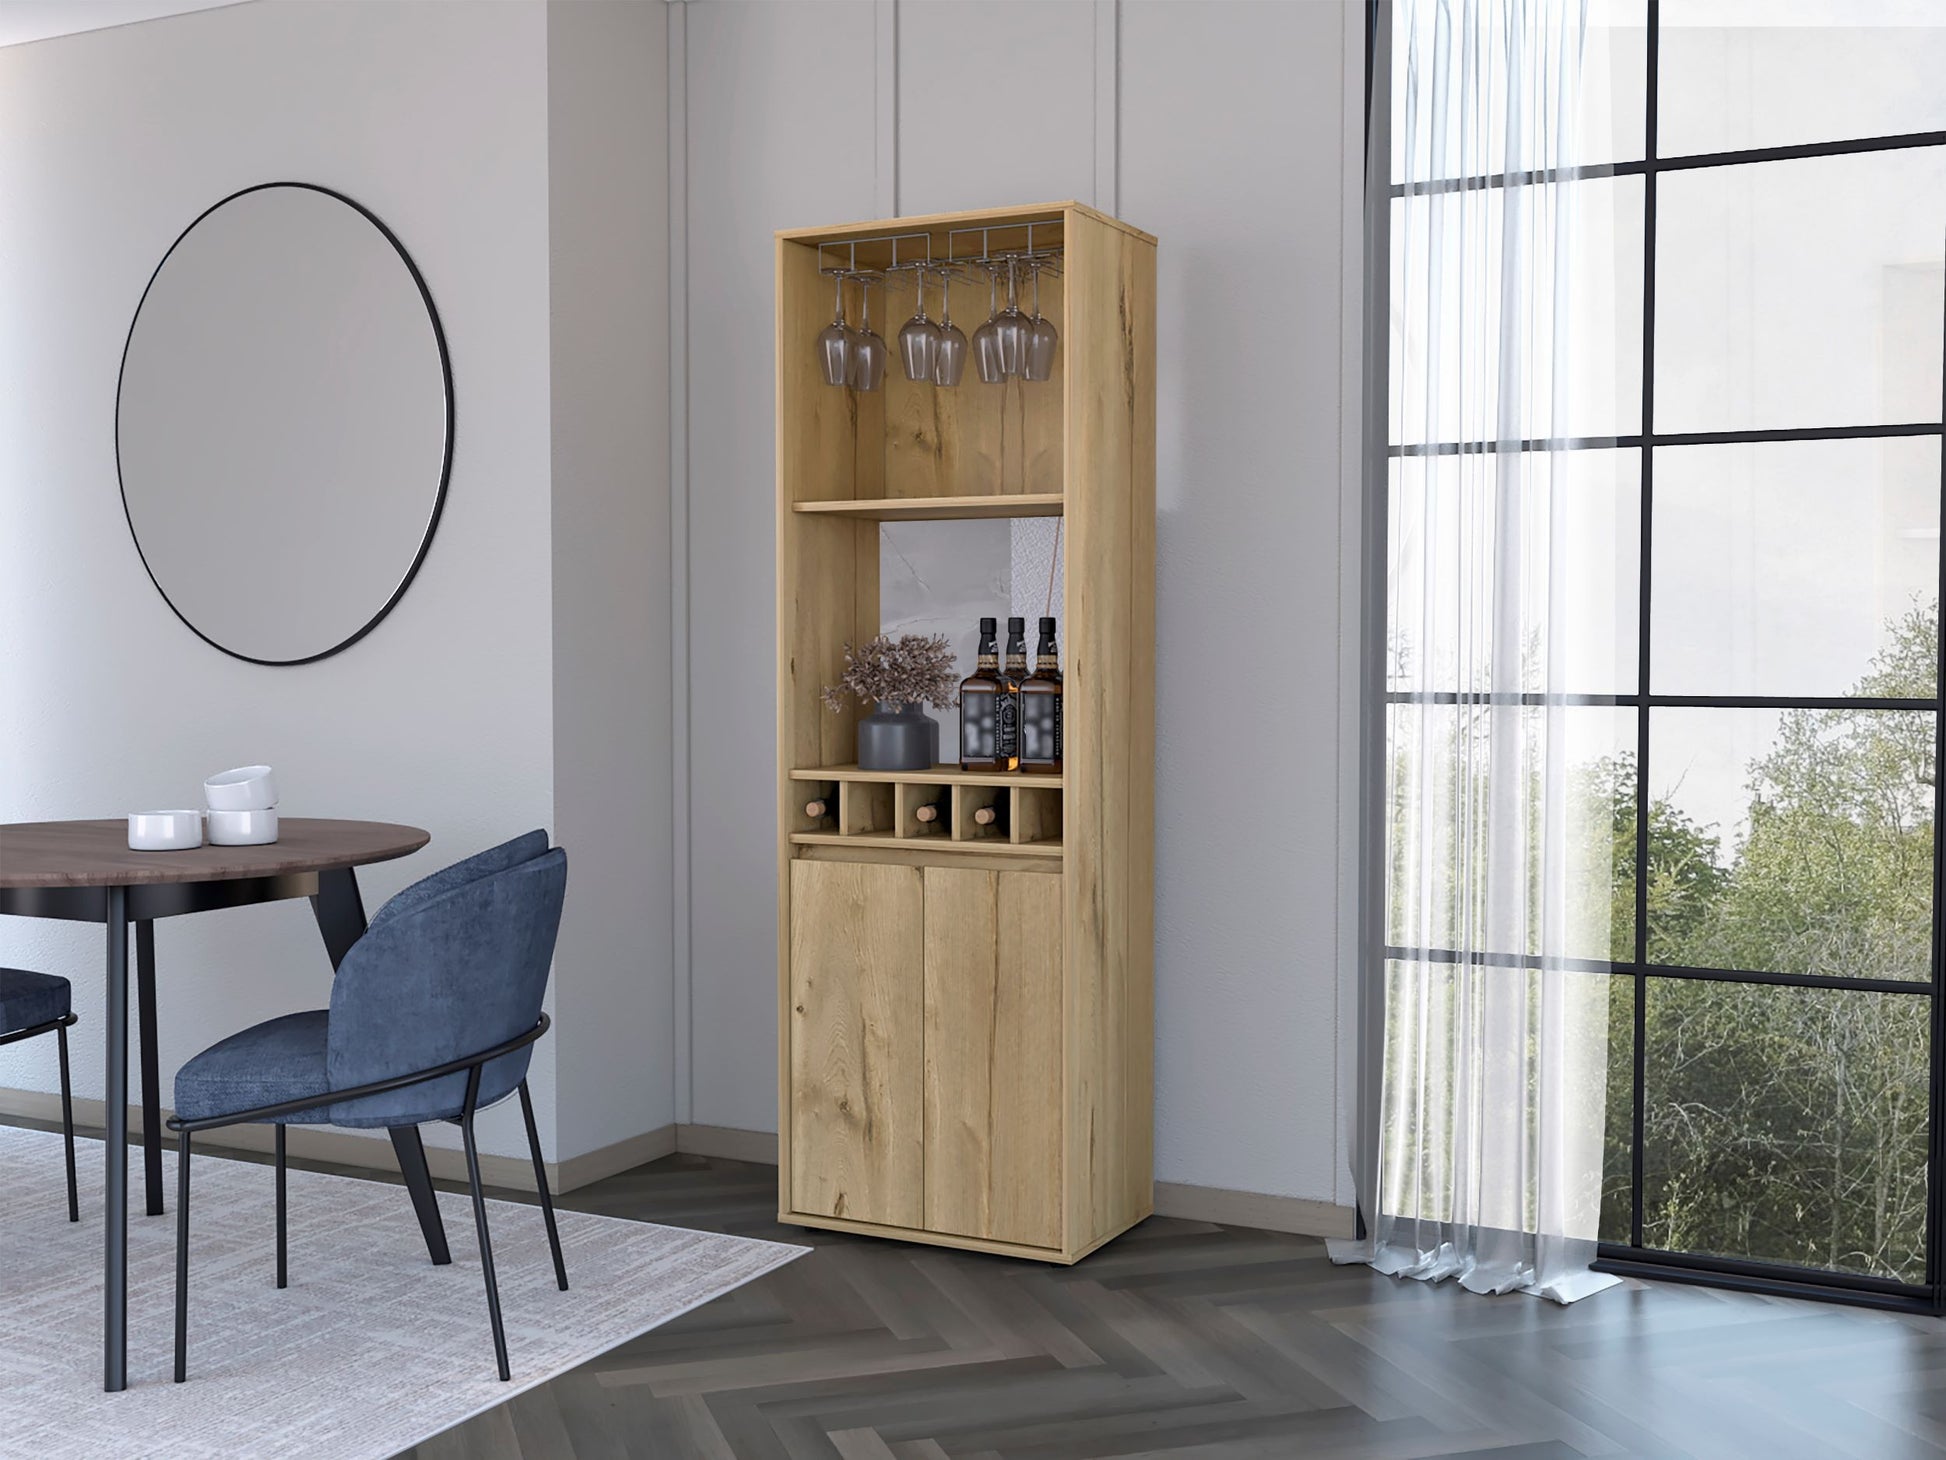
(943, 222)
(939, 775)
(920, 509)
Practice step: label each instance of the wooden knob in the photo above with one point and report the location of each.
(926, 813)
(986, 816)
(816, 809)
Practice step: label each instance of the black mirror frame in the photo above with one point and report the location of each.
(446, 456)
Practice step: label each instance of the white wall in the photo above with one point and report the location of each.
(608, 198)
(780, 123)
(436, 117)
(1220, 127)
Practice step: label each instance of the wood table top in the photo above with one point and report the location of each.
(97, 854)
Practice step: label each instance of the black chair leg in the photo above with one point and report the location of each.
(182, 1257)
(540, 1180)
(283, 1273)
(67, 1125)
(480, 1221)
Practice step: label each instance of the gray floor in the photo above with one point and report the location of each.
(1183, 1339)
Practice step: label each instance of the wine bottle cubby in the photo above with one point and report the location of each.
(945, 811)
(965, 989)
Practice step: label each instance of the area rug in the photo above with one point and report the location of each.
(370, 1350)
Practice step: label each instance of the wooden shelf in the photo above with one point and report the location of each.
(995, 846)
(934, 509)
(939, 775)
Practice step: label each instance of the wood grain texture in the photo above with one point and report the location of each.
(908, 852)
(999, 441)
(939, 223)
(866, 808)
(941, 850)
(943, 775)
(1082, 444)
(96, 853)
(827, 583)
(856, 1026)
(993, 1056)
(942, 509)
(1109, 692)
(1037, 813)
(815, 421)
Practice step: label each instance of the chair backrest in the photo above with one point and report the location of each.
(523, 848)
(446, 976)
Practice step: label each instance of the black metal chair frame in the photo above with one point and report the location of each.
(472, 1066)
(58, 1027)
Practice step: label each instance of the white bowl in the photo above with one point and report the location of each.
(164, 831)
(247, 788)
(253, 828)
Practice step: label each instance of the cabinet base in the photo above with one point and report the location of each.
(951, 1239)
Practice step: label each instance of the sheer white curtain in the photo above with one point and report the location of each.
(1497, 857)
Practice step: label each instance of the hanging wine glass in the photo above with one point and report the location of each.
(949, 356)
(867, 348)
(919, 340)
(834, 342)
(987, 353)
(1016, 330)
(1041, 341)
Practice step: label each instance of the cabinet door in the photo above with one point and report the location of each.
(993, 1054)
(857, 1042)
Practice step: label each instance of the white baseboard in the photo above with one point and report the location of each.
(322, 1143)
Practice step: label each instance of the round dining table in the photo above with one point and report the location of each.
(84, 871)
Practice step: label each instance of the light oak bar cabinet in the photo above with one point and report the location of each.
(966, 1007)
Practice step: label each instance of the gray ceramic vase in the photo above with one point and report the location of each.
(898, 738)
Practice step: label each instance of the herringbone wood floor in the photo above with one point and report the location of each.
(1183, 1339)
(1187, 1340)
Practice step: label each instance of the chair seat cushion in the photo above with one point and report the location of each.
(279, 1059)
(28, 998)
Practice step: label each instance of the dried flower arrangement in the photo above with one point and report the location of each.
(911, 669)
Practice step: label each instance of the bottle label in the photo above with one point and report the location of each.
(1008, 728)
(979, 725)
(1040, 728)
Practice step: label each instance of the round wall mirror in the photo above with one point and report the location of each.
(284, 423)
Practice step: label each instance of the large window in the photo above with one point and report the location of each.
(1747, 468)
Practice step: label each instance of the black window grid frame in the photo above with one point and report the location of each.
(1635, 1258)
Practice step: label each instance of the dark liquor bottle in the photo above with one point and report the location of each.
(1040, 708)
(929, 814)
(1013, 670)
(987, 727)
(818, 809)
(992, 819)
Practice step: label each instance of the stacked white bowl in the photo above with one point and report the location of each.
(242, 807)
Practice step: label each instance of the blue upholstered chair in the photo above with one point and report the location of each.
(39, 1003)
(433, 1015)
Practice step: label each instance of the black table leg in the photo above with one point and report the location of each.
(341, 919)
(151, 1074)
(114, 1327)
(418, 1181)
(340, 912)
